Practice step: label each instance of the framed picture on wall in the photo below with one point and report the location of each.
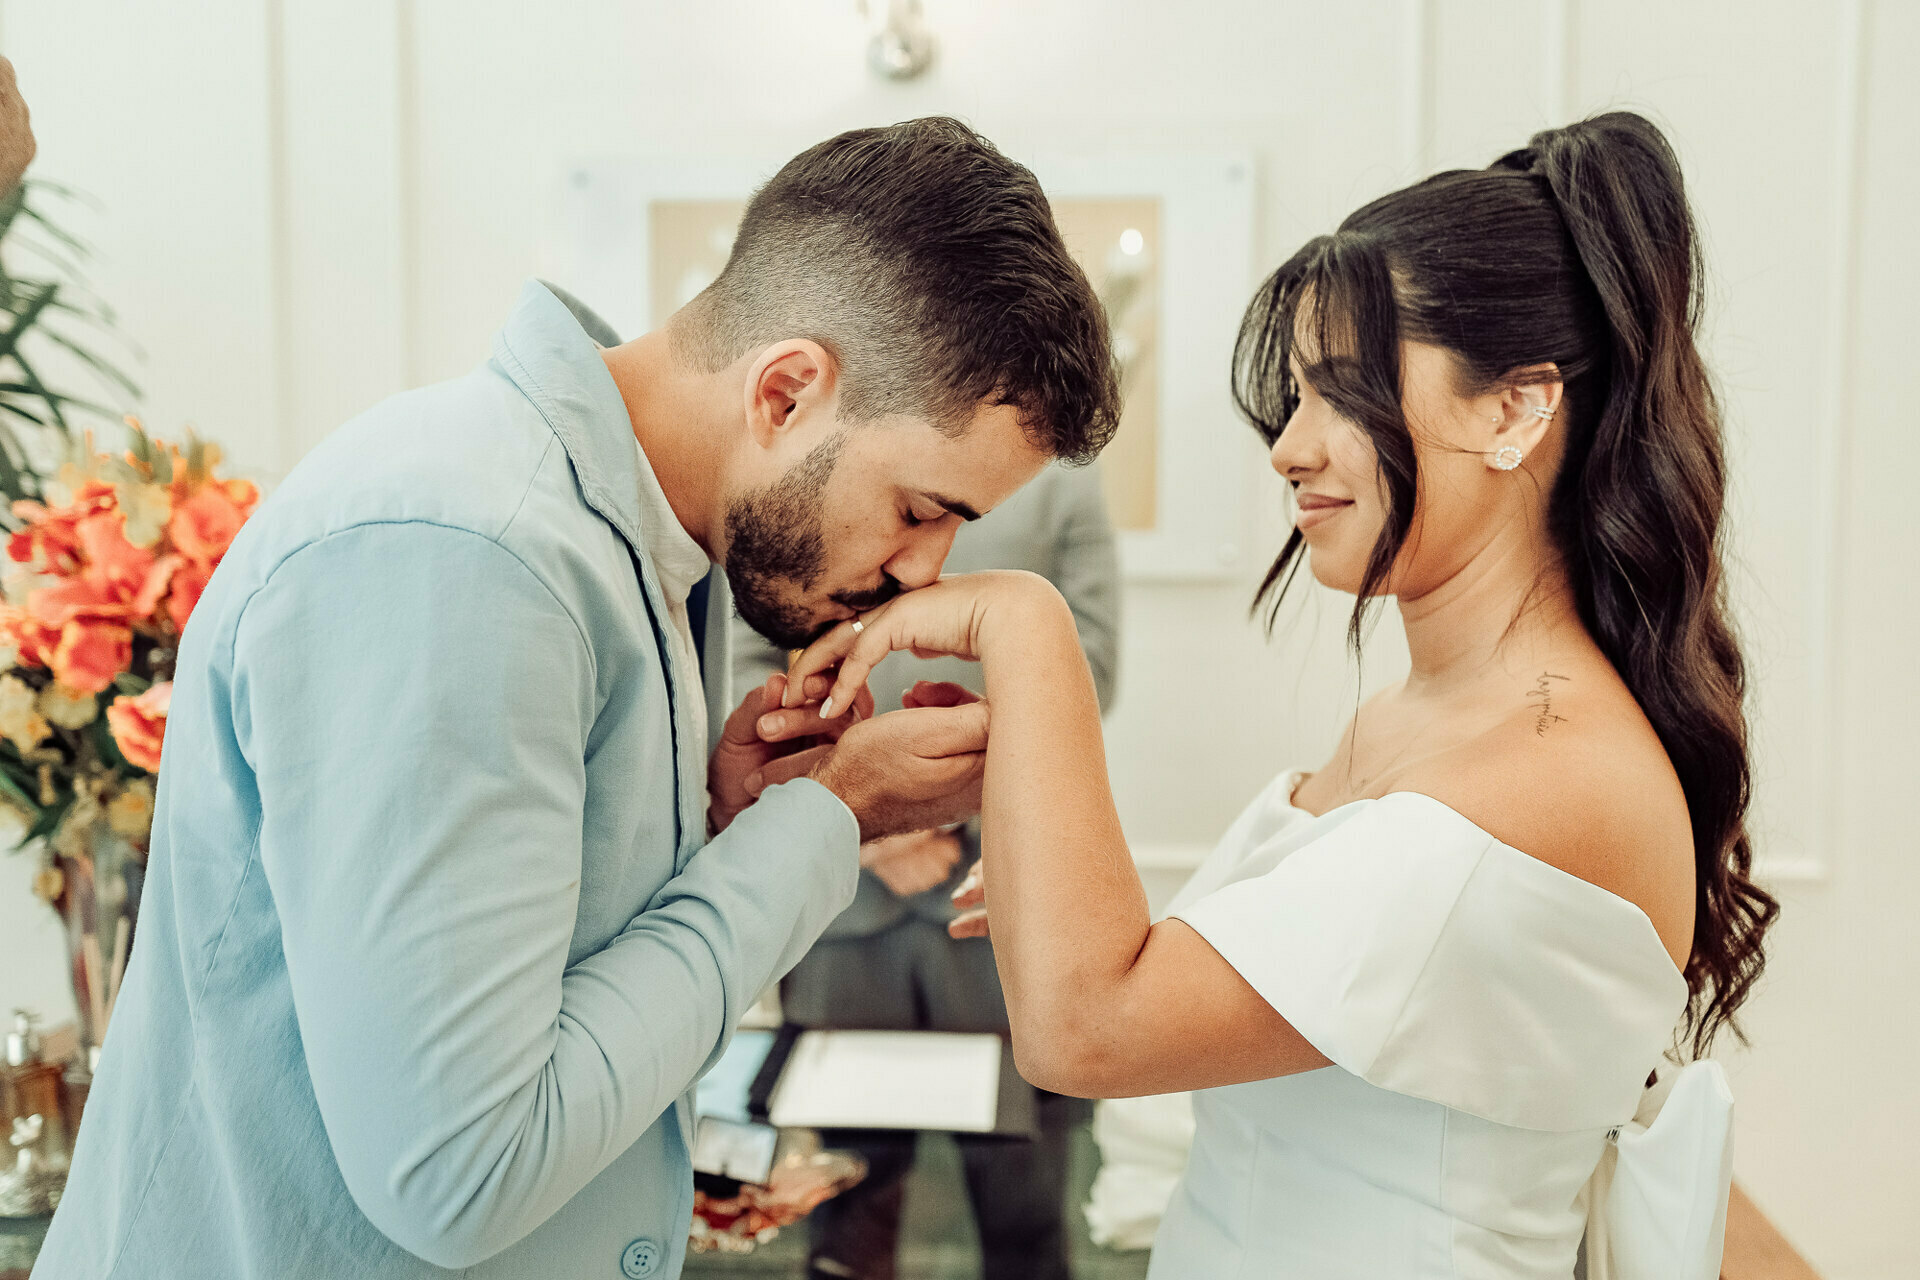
(1166, 240)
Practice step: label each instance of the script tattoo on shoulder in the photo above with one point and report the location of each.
(1541, 696)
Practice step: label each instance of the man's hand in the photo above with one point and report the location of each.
(759, 733)
(905, 771)
(912, 863)
(16, 131)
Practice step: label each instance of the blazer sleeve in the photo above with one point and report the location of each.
(416, 706)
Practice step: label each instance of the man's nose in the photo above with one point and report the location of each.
(918, 563)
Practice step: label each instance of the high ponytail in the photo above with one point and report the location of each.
(1578, 250)
(1638, 513)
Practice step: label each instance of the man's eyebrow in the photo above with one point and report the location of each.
(962, 509)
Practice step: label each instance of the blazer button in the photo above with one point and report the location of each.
(640, 1260)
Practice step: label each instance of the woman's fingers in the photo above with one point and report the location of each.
(820, 658)
(972, 891)
(971, 925)
(869, 647)
(942, 693)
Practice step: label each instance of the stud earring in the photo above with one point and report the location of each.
(1506, 458)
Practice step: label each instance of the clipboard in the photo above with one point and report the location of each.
(1015, 1108)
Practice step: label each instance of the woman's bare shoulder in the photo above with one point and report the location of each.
(1578, 779)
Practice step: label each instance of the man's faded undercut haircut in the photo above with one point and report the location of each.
(929, 265)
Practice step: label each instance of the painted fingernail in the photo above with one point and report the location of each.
(826, 709)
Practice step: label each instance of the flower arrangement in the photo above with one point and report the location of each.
(106, 573)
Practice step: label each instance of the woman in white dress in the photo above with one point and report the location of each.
(1419, 988)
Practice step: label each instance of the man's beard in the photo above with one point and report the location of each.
(777, 550)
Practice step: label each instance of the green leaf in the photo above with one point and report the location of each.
(131, 684)
(99, 366)
(109, 749)
(40, 390)
(11, 789)
(49, 819)
(27, 317)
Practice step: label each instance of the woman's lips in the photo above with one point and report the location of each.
(1313, 509)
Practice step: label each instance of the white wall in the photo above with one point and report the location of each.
(309, 206)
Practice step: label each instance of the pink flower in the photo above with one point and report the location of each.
(139, 725)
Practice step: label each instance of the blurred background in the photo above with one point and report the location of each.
(298, 208)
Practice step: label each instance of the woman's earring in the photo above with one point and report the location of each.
(1506, 458)
(1541, 411)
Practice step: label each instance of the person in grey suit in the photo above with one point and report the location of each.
(887, 963)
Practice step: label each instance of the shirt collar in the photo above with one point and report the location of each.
(545, 348)
(677, 558)
(545, 352)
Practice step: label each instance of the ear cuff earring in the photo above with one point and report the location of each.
(1541, 411)
(1506, 458)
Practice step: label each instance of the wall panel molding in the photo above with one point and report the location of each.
(1825, 641)
(1559, 63)
(1418, 72)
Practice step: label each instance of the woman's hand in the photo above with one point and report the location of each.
(955, 617)
(970, 899)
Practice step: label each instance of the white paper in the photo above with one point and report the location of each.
(890, 1080)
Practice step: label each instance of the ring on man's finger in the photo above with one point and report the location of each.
(858, 626)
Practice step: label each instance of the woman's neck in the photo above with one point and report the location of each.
(1507, 606)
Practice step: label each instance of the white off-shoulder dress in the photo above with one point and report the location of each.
(1492, 1021)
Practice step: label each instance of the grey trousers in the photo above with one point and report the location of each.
(912, 976)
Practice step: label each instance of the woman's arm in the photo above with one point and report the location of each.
(1102, 1003)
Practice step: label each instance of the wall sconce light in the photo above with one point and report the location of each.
(902, 46)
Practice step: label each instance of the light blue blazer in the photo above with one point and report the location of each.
(434, 944)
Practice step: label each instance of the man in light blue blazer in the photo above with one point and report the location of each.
(449, 906)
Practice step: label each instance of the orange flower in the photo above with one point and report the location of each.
(116, 580)
(189, 580)
(203, 526)
(33, 639)
(139, 725)
(51, 534)
(90, 654)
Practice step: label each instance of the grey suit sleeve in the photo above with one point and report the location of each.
(1087, 572)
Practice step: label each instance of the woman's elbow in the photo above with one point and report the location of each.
(1063, 1058)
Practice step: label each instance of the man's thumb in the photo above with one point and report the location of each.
(949, 731)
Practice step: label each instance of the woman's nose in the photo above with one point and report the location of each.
(1293, 453)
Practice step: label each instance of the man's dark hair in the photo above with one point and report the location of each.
(930, 266)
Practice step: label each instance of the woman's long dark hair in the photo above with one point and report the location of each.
(1578, 250)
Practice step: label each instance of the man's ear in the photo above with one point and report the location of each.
(788, 384)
